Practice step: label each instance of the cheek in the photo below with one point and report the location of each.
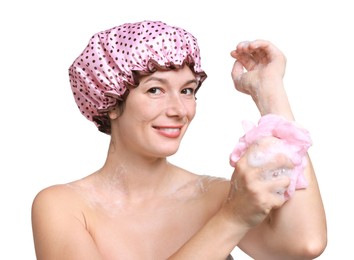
(192, 108)
(144, 112)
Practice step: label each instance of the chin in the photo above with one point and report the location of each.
(168, 152)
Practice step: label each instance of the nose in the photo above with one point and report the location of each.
(176, 105)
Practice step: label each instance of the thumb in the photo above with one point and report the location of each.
(236, 73)
(241, 78)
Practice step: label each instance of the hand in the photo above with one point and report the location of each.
(257, 185)
(258, 71)
(262, 62)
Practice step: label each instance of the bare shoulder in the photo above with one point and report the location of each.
(57, 209)
(54, 195)
(57, 202)
(215, 187)
(59, 220)
(211, 189)
(213, 192)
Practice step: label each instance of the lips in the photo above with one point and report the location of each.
(171, 132)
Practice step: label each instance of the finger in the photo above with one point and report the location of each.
(276, 173)
(279, 199)
(246, 59)
(237, 70)
(260, 154)
(280, 186)
(251, 54)
(249, 47)
(270, 50)
(260, 56)
(261, 50)
(257, 45)
(241, 82)
(243, 46)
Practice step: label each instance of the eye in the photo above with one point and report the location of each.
(188, 91)
(155, 91)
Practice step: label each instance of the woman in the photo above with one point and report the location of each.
(137, 82)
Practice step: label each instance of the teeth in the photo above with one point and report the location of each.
(170, 129)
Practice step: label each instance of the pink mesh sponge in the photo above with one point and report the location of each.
(293, 141)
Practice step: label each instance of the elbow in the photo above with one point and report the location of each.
(315, 247)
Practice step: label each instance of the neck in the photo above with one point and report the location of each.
(136, 176)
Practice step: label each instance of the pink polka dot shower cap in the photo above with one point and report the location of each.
(108, 66)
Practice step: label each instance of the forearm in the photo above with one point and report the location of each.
(297, 230)
(215, 240)
(275, 101)
(302, 217)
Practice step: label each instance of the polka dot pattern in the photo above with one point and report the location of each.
(100, 75)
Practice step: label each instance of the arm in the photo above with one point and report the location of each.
(303, 215)
(247, 204)
(253, 216)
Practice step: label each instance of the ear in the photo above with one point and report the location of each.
(113, 114)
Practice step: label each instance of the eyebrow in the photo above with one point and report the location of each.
(164, 81)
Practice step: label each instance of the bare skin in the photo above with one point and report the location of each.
(95, 222)
(139, 206)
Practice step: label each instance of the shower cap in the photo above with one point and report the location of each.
(109, 65)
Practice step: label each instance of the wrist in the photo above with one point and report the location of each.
(231, 230)
(232, 222)
(273, 100)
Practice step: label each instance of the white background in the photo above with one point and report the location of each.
(44, 140)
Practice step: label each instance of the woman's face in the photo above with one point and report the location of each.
(158, 112)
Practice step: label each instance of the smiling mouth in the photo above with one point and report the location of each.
(168, 129)
(170, 132)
